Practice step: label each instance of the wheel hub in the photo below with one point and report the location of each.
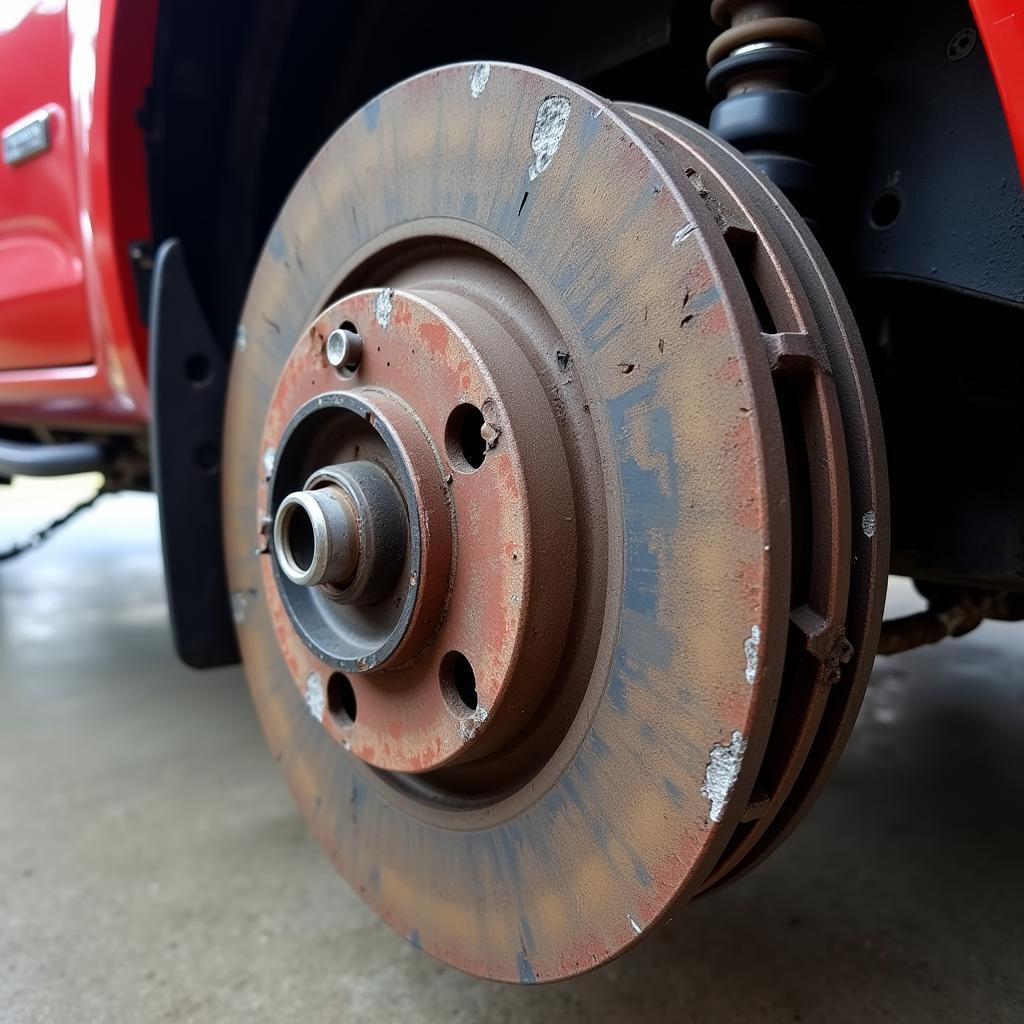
(418, 558)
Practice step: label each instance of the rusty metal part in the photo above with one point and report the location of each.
(910, 631)
(837, 470)
(470, 400)
(637, 502)
(951, 613)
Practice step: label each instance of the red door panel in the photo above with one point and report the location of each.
(44, 313)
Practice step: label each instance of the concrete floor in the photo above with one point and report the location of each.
(152, 867)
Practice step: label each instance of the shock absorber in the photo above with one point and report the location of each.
(763, 66)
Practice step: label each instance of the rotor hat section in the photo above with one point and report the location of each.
(411, 570)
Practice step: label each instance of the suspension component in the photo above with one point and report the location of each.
(762, 68)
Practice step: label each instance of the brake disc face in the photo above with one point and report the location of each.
(537, 507)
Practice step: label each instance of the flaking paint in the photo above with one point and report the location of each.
(724, 763)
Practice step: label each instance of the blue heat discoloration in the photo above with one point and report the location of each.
(594, 751)
(357, 797)
(371, 115)
(276, 245)
(589, 128)
(639, 395)
(617, 684)
(642, 563)
(652, 186)
(594, 331)
(638, 632)
(600, 748)
(651, 497)
(554, 803)
(526, 972)
(374, 879)
(495, 853)
(509, 216)
(597, 827)
(511, 843)
(469, 203)
(566, 277)
(414, 938)
(699, 302)
(642, 874)
(603, 834)
(674, 793)
(660, 427)
(527, 935)
(652, 501)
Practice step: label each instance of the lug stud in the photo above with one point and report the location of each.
(344, 349)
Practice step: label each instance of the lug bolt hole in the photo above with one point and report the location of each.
(341, 700)
(463, 440)
(458, 683)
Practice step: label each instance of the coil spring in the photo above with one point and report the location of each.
(762, 68)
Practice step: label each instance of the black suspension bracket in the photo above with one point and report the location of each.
(763, 66)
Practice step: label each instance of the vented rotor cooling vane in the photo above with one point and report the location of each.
(550, 461)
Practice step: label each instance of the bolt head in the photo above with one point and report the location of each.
(344, 349)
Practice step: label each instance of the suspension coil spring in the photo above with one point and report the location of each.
(762, 67)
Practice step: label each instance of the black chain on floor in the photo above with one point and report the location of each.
(41, 535)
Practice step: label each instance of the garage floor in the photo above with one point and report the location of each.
(152, 867)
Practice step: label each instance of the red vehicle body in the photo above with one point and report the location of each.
(72, 341)
(72, 344)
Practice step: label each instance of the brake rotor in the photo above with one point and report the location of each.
(821, 374)
(554, 514)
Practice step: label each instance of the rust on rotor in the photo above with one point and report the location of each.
(652, 570)
(836, 467)
(492, 561)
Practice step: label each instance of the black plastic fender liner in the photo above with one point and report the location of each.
(188, 379)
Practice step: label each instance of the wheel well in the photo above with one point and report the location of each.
(244, 94)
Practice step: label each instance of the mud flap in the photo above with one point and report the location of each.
(188, 380)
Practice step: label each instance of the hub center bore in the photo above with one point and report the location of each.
(346, 530)
(349, 558)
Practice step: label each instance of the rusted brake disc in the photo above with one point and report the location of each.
(555, 514)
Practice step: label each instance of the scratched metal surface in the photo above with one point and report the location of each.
(816, 345)
(655, 770)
